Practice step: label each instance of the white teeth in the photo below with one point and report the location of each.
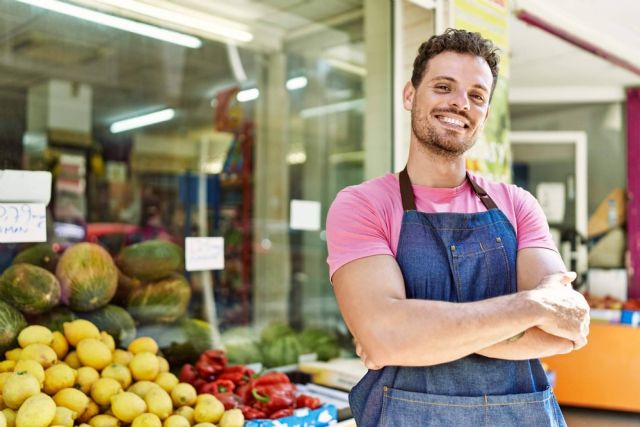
(452, 121)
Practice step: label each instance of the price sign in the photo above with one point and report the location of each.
(23, 222)
(204, 253)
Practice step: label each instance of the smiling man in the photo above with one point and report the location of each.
(450, 283)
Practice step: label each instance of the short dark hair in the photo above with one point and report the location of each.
(460, 41)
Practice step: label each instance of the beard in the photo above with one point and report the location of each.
(442, 142)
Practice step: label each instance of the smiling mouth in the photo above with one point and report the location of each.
(452, 122)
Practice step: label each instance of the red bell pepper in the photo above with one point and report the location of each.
(274, 397)
(229, 400)
(239, 374)
(272, 378)
(188, 373)
(210, 363)
(281, 413)
(306, 401)
(219, 386)
(252, 413)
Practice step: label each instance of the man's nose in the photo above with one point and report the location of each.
(460, 100)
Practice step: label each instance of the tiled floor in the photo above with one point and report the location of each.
(581, 417)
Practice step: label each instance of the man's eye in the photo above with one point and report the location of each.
(478, 97)
(442, 87)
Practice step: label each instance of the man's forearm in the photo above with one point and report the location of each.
(534, 344)
(414, 332)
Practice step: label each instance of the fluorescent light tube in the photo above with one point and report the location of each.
(296, 83)
(140, 121)
(214, 25)
(116, 22)
(247, 95)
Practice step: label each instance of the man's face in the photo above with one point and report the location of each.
(451, 104)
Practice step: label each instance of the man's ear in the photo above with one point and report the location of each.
(407, 96)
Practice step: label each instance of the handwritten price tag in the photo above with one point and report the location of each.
(23, 222)
(204, 253)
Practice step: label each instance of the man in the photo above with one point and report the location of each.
(451, 292)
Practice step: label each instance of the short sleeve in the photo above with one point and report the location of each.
(532, 225)
(354, 230)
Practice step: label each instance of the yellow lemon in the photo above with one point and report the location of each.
(13, 354)
(9, 416)
(104, 421)
(184, 394)
(3, 420)
(119, 373)
(144, 366)
(3, 379)
(108, 341)
(18, 387)
(147, 420)
(92, 410)
(208, 411)
(35, 334)
(64, 417)
(85, 378)
(126, 406)
(122, 357)
(205, 397)
(73, 399)
(159, 402)
(93, 352)
(84, 425)
(204, 425)
(164, 364)
(186, 412)
(37, 411)
(72, 360)
(167, 381)
(103, 389)
(59, 344)
(58, 377)
(7, 366)
(78, 330)
(141, 388)
(32, 367)
(232, 418)
(41, 353)
(176, 421)
(143, 344)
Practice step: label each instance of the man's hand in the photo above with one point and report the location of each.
(565, 312)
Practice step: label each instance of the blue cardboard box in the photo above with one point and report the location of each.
(325, 415)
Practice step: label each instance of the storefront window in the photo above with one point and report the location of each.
(147, 140)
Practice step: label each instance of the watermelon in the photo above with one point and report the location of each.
(163, 301)
(321, 342)
(88, 277)
(115, 321)
(242, 345)
(275, 330)
(53, 319)
(29, 288)
(282, 351)
(43, 255)
(11, 323)
(151, 260)
(180, 342)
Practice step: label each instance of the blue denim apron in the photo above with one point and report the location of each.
(457, 257)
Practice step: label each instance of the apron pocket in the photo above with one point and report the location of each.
(406, 408)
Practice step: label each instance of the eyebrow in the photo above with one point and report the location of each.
(451, 79)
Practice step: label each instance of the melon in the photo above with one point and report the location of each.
(151, 260)
(160, 302)
(43, 255)
(88, 277)
(29, 288)
(11, 323)
(115, 321)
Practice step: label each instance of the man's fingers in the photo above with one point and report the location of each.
(562, 278)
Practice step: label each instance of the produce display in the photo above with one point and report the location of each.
(79, 377)
(271, 395)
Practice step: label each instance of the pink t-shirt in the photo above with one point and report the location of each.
(365, 219)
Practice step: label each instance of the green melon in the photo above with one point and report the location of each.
(11, 323)
(321, 342)
(151, 260)
(88, 277)
(281, 351)
(53, 319)
(43, 255)
(115, 321)
(242, 345)
(160, 302)
(29, 288)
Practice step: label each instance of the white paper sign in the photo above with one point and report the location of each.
(304, 215)
(204, 253)
(551, 196)
(23, 222)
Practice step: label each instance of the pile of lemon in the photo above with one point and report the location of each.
(79, 378)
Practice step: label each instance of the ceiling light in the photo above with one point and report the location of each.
(347, 66)
(212, 25)
(145, 120)
(296, 83)
(247, 95)
(116, 22)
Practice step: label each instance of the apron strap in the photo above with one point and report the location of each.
(409, 203)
